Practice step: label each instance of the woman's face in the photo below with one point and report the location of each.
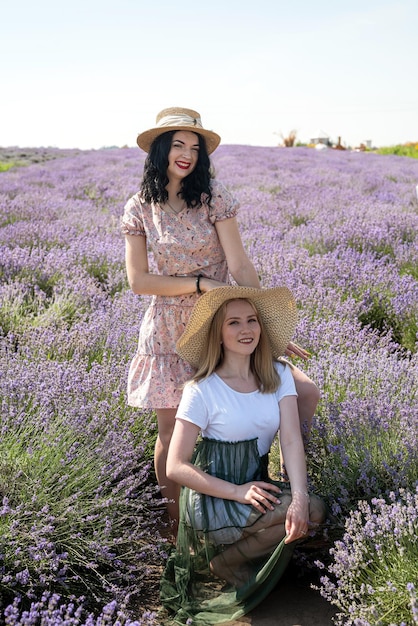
(241, 328)
(183, 155)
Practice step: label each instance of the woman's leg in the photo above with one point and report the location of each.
(169, 489)
(308, 398)
(233, 564)
(317, 512)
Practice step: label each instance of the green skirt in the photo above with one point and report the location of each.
(189, 591)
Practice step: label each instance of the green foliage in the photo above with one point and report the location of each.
(7, 166)
(408, 150)
(23, 309)
(105, 273)
(409, 268)
(273, 190)
(379, 315)
(299, 220)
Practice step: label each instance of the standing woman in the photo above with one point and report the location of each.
(186, 220)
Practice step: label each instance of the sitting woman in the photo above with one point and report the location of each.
(237, 526)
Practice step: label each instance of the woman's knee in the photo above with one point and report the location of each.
(278, 514)
(317, 510)
(308, 398)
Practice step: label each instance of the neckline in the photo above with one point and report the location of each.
(171, 208)
(172, 212)
(243, 393)
(175, 210)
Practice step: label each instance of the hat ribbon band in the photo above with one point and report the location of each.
(180, 120)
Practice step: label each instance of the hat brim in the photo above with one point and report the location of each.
(276, 307)
(145, 139)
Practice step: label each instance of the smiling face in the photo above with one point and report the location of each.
(240, 328)
(183, 155)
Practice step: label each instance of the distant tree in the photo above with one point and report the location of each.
(289, 141)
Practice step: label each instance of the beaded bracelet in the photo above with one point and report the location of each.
(198, 289)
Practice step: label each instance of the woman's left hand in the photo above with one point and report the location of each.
(297, 517)
(294, 350)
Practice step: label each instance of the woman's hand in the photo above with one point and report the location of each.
(294, 350)
(206, 284)
(297, 517)
(261, 495)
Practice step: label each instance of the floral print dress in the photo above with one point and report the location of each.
(185, 244)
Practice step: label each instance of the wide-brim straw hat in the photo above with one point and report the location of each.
(177, 118)
(276, 308)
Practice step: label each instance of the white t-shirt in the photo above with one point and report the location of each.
(228, 415)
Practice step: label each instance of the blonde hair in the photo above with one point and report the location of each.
(261, 360)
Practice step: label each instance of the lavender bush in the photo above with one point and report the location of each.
(79, 513)
(51, 611)
(376, 564)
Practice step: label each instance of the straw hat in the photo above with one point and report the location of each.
(276, 308)
(177, 118)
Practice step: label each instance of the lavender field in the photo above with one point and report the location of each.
(80, 516)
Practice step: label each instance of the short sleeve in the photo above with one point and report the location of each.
(132, 222)
(287, 386)
(192, 407)
(223, 204)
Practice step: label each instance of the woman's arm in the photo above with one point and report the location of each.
(141, 281)
(182, 471)
(291, 444)
(239, 264)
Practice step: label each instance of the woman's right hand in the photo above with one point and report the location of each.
(261, 495)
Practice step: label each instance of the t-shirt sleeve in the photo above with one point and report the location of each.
(192, 407)
(223, 204)
(287, 387)
(132, 222)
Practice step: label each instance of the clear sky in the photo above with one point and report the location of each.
(93, 73)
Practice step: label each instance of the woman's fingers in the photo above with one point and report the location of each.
(296, 527)
(294, 350)
(263, 496)
(263, 499)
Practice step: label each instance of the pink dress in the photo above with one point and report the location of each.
(186, 244)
